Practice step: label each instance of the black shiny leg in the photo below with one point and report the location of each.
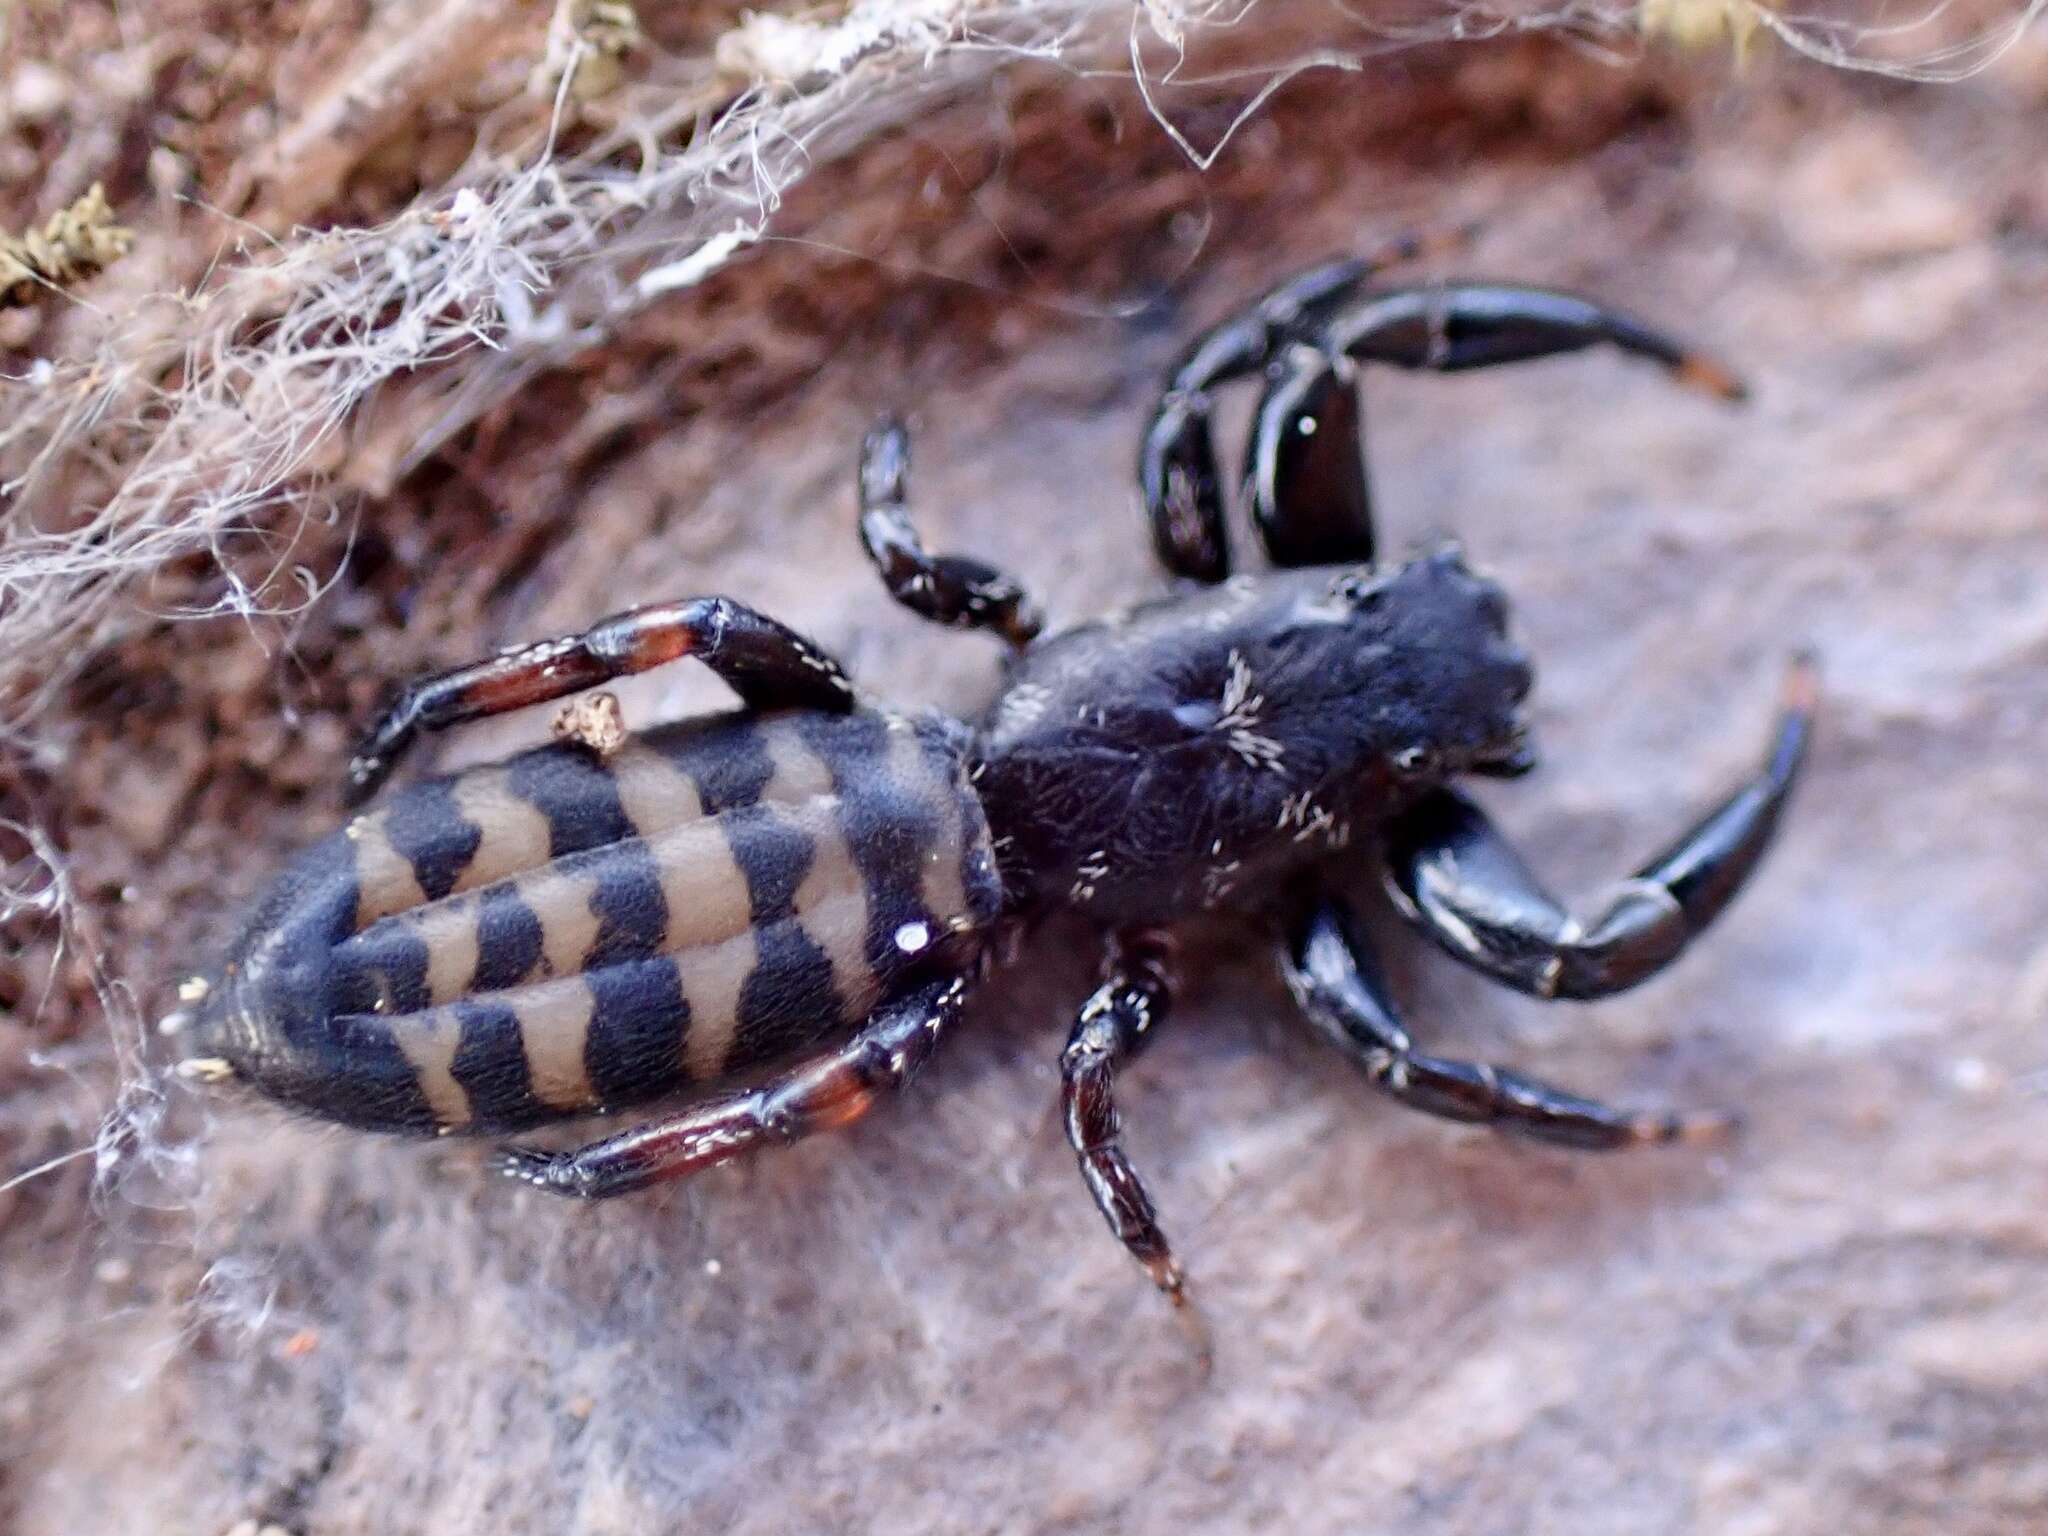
(1112, 1027)
(1177, 474)
(1336, 980)
(1455, 877)
(947, 589)
(1306, 477)
(767, 664)
(1461, 326)
(820, 1095)
(1305, 474)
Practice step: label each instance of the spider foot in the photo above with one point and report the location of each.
(554, 1172)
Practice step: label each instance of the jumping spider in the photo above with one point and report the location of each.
(817, 879)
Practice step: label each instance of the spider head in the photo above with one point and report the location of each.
(1429, 658)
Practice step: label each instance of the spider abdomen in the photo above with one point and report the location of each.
(564, 933)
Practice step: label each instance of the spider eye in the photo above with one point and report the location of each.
(1358, 589)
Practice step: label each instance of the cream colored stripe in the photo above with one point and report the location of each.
(922, 778)
(385, 880)
(838, 924)
(712, 979)
(832, 905)
(560, 901)
(711, 908)
(656, 794)
(703, 885)
(429, 1040)
(514, 834)
(451, 965)
(554, 1028)
(448, 929)
(799, 773)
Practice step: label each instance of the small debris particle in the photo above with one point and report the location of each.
(580, 1407)
(300, 1344)
(76, 243)
(593, 37)
(1694, 25)
(593, 721)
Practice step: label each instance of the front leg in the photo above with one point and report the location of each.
(1113, 1026)
(818, 1095)
(1461, 326)
(1456, 878)
(1178, 480)
(1305, 471)
(767, 664)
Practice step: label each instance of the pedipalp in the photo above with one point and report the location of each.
(1461, 883)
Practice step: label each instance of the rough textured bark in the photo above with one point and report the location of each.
(920, 1324)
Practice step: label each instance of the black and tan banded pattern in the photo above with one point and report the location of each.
(559, 934)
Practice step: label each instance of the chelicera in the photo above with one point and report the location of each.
(786, 907)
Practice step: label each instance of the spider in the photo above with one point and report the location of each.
(785, 908)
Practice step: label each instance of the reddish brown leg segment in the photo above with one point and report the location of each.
(819, 1095)
(767, 664)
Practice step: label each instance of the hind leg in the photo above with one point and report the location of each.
(769, 665)
(819, 1095)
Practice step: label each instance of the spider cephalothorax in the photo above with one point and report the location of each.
(815, 879)
(1178, 756)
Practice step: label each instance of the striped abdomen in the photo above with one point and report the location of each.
(559, 934)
